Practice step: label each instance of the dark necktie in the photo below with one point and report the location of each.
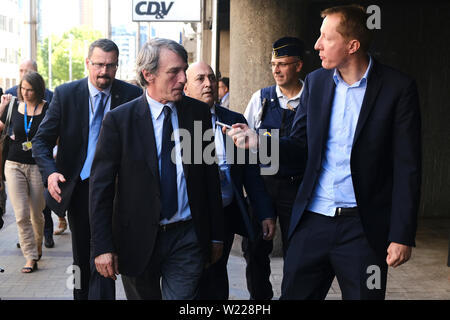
(169, 197)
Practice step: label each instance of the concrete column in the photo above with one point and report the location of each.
(254, 26)
(30, 34)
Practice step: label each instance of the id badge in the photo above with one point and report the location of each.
(26, 146)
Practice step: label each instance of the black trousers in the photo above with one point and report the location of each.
(92, 285)
(48, 225)
(256, 253)
(214, 283)
(174, 270)
(448, 259)
(324, 247)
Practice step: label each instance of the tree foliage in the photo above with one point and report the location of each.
(78, 39)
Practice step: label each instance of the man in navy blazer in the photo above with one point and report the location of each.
(158, 238)
(359, 127)
(69, 121)
(202, 85)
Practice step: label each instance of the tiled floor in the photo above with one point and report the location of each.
(425, 276)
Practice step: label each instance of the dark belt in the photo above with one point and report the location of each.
(170, 226)
(351, 212)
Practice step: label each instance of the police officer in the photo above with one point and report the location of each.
(270, 108)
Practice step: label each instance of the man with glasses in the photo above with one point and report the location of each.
(274, 108)
(75, 116)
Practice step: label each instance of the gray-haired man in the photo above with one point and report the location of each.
(168, 219)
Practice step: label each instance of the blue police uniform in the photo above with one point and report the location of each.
(282, 187)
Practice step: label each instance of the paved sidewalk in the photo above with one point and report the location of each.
(425, 276)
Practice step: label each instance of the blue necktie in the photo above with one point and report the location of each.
(169, 196)
(94, 131)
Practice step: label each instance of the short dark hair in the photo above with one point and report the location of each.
(36, 82)
(226, 81)
(353, 23)
(104, 44)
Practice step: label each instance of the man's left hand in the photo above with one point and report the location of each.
(268, 229)
(398, 254)
(216, 252)
(107, 265)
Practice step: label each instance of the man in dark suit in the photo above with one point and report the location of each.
(74, 117)
(359, 124)
(234, 176)
(155, 203)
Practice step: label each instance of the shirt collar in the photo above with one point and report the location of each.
(157, 107)
(338, 79)
(93, 91)
(213, 109)
(281, 95)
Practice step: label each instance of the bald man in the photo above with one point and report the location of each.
(24, 67)
(202, 85)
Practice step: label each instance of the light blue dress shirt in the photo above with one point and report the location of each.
(335, 187)
(156, 110)
(224, 168)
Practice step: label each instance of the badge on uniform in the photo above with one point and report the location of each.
(27, 145)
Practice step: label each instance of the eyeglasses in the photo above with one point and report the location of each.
(281, 65)
(26, 90)
(100, 66)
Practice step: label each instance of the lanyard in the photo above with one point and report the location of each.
(25, 120)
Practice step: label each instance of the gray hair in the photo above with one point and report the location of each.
(148, 57)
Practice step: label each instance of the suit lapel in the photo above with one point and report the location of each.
(373, 88)
(82, 102)
(226, 117)
(186, 121)
(322, 121)
(115, 95)
(222, 117)
(146, 132)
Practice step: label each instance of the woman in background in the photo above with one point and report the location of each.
(24, 183)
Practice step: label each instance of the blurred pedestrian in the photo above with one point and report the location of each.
(224, 92)
(26, 66)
